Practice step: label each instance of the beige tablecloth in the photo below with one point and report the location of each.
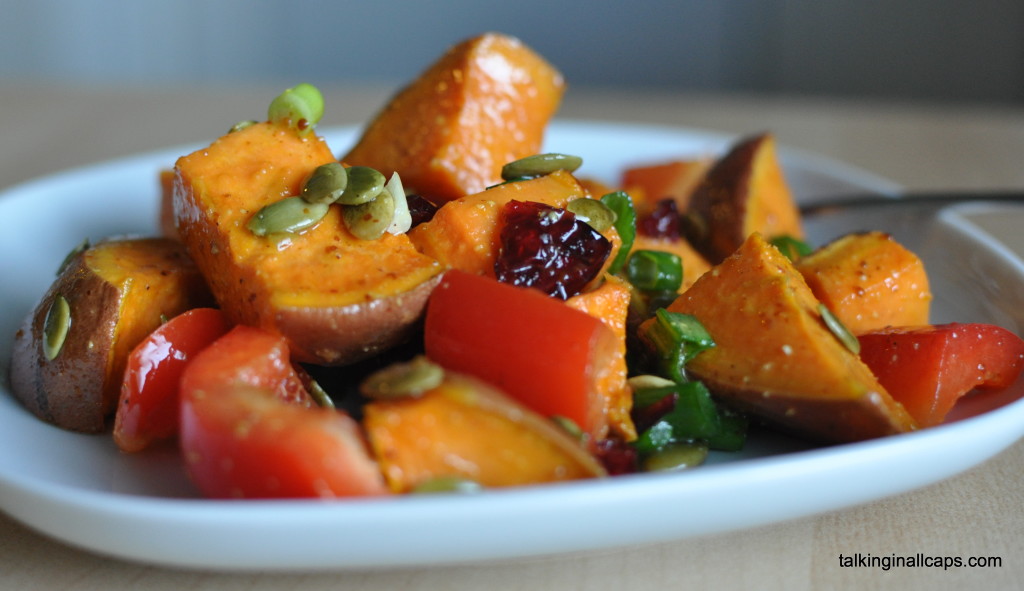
(978, 513)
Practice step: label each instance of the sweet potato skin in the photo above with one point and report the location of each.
(869, 281)
(336, 298)
(775, 358)
(117, 292)
(744, 192)
(484, 103)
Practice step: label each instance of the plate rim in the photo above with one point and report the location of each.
(136, 506)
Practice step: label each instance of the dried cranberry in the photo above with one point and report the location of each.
(547, 248)
(662, 222)
(617, 456)
(420, 209)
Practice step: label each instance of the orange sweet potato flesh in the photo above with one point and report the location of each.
(744, 192)
(465, 233)
(117, 291)
(775, 358)
(609, 303)
(336, 298)
(484, 103)
(675, 179)
(466, 428)
(869, 281)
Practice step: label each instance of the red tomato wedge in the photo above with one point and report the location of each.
(148, 408)
(929, 368)
(249, 429)
(536, 349)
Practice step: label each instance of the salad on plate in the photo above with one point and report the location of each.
(445, 308)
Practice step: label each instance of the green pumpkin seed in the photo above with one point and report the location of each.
(839, 329)
(677, 456)
(319, 395)
(56, 327)
(326, 184)
(369, 221)
(241, 125)
(570, 427)
(400, 380)
(291, 214)
(364, 184)
(402, 220)
(648, 381)
(540, 165)
(447, 484)
(592, 211)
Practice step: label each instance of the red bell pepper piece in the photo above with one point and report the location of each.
(929, 368)
(545, 354)
(249, 429)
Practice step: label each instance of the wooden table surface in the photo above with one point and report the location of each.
(44, 129)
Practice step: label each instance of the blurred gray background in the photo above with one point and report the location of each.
(932, 50)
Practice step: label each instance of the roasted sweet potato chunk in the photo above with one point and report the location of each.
(464, 233)
(335, 297)
(672, 179)
(465, 428)
(869, 281)
(774, 355)
(744, 192)
(484, 103)
(116, 292)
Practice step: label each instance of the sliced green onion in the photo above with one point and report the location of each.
(695, 417)
(839, 329)
(625, 224)
(301, 106)
(675, 339)
(652, 270)
(793, 248)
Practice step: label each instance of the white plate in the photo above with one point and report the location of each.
(81, 490)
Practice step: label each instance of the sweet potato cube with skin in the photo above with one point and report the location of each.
(484, 103)
(675, 179)
(465, 233)
(869, 281)
(465, 428)
(116, 291)
(336, 298)
(744, 192)
(775, 358)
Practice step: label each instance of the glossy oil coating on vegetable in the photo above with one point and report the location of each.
(337, 298)
(483, 104)
(446, 309)
(111, 296)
